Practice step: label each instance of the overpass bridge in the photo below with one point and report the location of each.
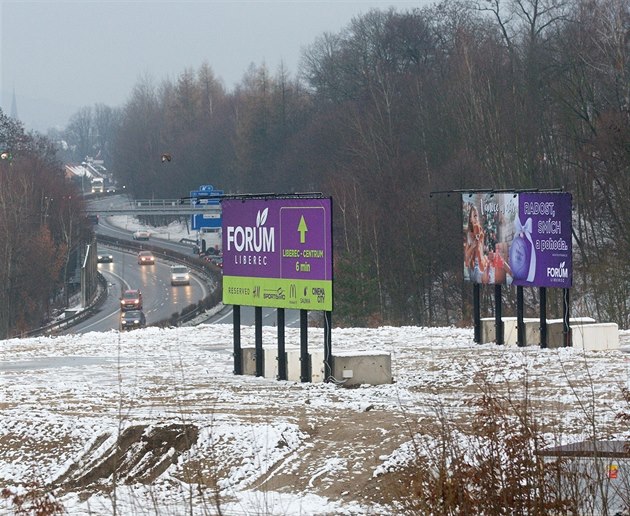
(151, 207)
(181, 206)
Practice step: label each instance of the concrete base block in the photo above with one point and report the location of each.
(555, 337)
(488, 330)
(532, 332)
(358, 369)
(596, 337)
(317, 366)
(248, 356)
(510, 331)
(293, 365)
(271, 363)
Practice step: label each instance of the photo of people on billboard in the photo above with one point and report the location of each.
(488, 222)
(517, 238)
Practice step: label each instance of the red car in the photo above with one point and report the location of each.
(145, 258)
(131, 300)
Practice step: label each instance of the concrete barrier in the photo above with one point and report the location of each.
(488, 330)
(596, 336)
(555, 337)
(248, 359)
(317, 366)
(358, 369)
(510, 330)
(294, 364)
(271, 362)
(532, 332)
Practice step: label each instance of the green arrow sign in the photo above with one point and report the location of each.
(302, 229)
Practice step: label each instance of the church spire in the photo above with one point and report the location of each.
(14, 113)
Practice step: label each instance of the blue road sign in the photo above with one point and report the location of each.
(204, 220)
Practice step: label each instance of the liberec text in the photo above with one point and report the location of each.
(306, 253)
(250, 259)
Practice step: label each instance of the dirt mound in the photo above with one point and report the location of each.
(139, 454)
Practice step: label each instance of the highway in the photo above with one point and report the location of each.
(161, 300)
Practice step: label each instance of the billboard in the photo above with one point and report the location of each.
(521, 239)
(278, 253)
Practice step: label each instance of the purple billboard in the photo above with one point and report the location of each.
(522, 239)
(277, 253)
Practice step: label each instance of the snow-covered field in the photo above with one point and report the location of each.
(155, 422)
(192, 430)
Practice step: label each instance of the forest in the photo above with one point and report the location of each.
(42, 223)
(391, 117)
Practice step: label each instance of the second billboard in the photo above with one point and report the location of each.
(518, 238)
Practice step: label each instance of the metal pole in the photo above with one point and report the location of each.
(567, 332)
(305, 369)
(520, 323)
(282, 356)
(236, 324)
(543, 317)
(260, 354)
(498, 316)
(328, 356)
(477, 311)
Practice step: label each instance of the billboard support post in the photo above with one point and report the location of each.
(260, 354)
(566, 313)
(282, 356)
(477, 311)
(328, 356)
(520, 323)
(236, 324)
(304, 358)
(543, 317)
(498, 315)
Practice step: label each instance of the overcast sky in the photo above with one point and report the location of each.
(60, 56)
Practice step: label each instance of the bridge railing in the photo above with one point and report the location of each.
(153, 207)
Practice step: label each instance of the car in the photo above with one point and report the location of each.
(146, 258)
(105, 258)
(180, 275)
(132, 319)
(217, 260)
(141, 234)
(131, 300)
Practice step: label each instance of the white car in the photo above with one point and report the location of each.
(141, 234)
(180, 275)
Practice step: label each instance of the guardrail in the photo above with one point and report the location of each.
(200, 266)
(67, 322)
